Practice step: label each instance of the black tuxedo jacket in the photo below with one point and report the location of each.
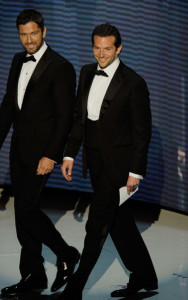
(42, 125)
(124, 125)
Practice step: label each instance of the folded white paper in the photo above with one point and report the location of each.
(123, 195)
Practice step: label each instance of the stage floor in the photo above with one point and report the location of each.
(165, 233)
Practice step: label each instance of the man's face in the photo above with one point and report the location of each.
(104, 50)
(31, 36)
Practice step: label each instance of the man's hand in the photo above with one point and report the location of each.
(132, 184)
(45, 166)
(66, 169)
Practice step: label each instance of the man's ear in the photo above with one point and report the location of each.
(44, 32)
(119, 50)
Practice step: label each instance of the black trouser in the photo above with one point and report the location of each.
(131, 247)
(33, 227)
(102, 210)
(105, 216)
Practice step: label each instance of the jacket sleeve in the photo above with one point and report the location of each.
(141, 126)
(77, 132)
(7, 107)
(64, 100)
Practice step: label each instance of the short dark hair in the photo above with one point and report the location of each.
(30, 15)
(107, 29)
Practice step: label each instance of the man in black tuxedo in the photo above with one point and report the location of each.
(113, 121)
(39, 102)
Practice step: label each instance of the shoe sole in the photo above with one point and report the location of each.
(38, 290)
(151, 288)
(132, 293)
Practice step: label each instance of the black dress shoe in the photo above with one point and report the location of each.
(130, 290)
(65, 269)
(72, 296)
(24, 285)
(70, 293)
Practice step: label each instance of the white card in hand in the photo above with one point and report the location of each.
(123, 195)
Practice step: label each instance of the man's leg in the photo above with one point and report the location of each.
(130, 245)
(101, 214)
(133, 251)
(33, 229)
(32, 225)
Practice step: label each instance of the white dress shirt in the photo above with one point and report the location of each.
(26, 73)
(98, 90)
(96, 95)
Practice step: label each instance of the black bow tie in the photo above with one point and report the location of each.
(100, 72)
(28, 58)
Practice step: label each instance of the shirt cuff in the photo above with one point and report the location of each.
(135, 175)
(68, 158)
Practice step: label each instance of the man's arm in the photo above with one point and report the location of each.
(7, 106)
(63, 87)
(45, 166)
(141, 126)
(76, 137)
(66, 169)
(141, 122)
(77, 131)
(132, 184)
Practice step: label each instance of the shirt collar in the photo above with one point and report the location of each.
(40, 52)
(110, 70)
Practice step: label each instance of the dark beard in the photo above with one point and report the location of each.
(38, 48)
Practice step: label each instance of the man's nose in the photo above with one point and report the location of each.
(29, 40)
(101, 53)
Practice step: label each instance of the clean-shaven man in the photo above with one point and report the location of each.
(113, 120)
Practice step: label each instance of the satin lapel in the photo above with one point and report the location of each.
(18, 70)
(85, 92)
(39, 70)
(113, 88)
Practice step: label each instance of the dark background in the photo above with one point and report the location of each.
(155, 44)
